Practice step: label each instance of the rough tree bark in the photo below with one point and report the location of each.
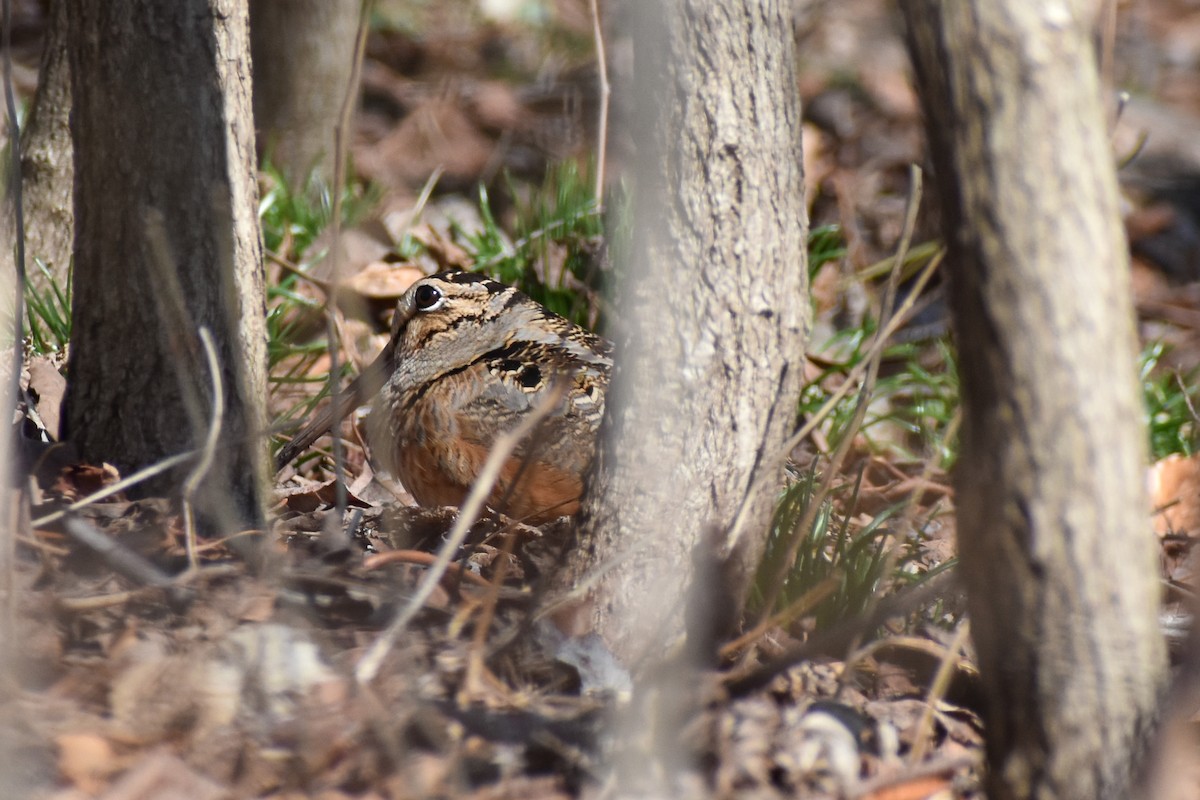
(303, 55)
(714, 314)
(1053, 530)
(46, 157)
(166, 241)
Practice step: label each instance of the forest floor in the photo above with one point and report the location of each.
(135, 679)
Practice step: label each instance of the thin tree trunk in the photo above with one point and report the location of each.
(46, 158)
(303, 57)
(714, 314)
(166, 242)
(1052, 519)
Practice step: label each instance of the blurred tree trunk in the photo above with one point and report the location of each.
(166, 241)
(714, 314)
(46, 158)
(303, 56)
(1053, 528)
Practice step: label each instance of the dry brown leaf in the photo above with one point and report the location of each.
(1175, 495)
(312, 496)
(87, 760)
(50, 386)
(381, 280)
(80, 480)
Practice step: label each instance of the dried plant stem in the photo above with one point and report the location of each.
(838, 638)
(794, 610)
(937, 690)
(421, 557)
(124, 562)
(108, 491)
(335, 328)
(605, 91)
(475, 657)
(208, 451)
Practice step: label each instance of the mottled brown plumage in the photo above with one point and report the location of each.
(468, 359)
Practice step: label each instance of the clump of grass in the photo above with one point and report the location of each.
(838, 568)
(556, 245)
(825, 244)
(291, 221)
(857, 562)
(292, 218)
(1170, 411)
(48, 314)
(919, 399)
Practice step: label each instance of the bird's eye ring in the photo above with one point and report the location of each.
(427, 298)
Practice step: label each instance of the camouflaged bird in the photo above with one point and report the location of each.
(468, 358)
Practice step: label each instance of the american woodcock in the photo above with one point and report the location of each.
(468, 358)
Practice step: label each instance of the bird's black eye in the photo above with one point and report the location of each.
(426, 297)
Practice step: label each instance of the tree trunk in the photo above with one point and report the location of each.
(46, 158)
(303, 56)
(166, 242)
(714, 316)
(1053, 528)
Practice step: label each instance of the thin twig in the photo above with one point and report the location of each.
(43, 547)
(175, 585)
(342, 128)
(108, 491)
(422, 200)
(937, 690)
(836, 639)
(605, 91)
(124, 562)
(335, 401)
(368, 666)
(794, 610)
(421, 557)
(301, 273)
(334, 326)
(326, 419)
(208, 451)
(475, 656)
(84, 605)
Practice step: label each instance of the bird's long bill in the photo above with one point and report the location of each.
(360, 390)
